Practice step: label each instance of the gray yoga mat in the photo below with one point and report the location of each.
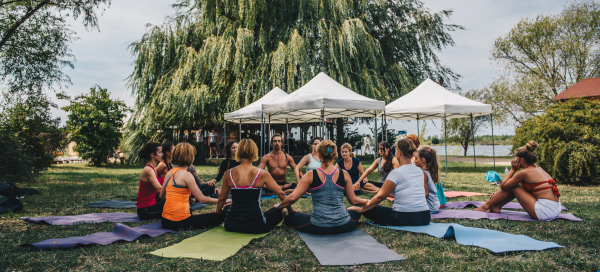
(119, 233)
(464, 204)
(126, 204)
(505, 214)
(493, 240)
(351, 248)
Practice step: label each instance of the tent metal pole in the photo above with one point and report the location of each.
(473, 134)
(385, 125)
(224, 136)
(376, 137)
(287, 126)
(446, 143)
(323, 124)
(270, 135)
(418, 130)
(493, 149)
(240, 131)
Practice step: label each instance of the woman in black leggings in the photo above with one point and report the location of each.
(406, 183)
(245, 182)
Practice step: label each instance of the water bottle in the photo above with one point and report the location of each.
(506, 171)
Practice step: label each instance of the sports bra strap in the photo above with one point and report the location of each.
(332, 173)
(231, 176)
(173, 176)
(255, 179)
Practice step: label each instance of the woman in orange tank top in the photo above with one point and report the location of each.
(533, 187)
(178, 187)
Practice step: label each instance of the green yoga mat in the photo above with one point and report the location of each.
(215, 244)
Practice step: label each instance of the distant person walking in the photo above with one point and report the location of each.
(212, 140)
(199, 138)
(367, 146)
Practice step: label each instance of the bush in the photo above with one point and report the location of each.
(568, 135)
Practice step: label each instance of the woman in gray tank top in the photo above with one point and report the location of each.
(328, 185)
(384, 165)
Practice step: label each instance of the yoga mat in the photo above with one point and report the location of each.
(508, 215)
(495, 241)
(215, 244)
(126, 204)
(350, 248)
(464, 204)
(89, 218)
(450, 194)
(119, 233)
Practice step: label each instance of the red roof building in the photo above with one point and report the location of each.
(589, 87)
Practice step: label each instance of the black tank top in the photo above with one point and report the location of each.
(245, 211)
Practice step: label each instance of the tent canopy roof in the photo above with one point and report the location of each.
(322, 93)
(252, 112)
(431, 101)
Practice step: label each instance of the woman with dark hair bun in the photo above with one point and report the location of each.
(406, 183)
(165, 165)
(533, 187)
(384, 165)
(147, 206)
(328, 185)
(311, 160)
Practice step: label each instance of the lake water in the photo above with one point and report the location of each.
(480, 150)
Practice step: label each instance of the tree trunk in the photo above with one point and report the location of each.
(13, 29)
(180, 138)
(98, 161)
(340, 134)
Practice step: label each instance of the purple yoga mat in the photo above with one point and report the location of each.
(84, 218)
(464, 204)
(508, 215)
(119, 233)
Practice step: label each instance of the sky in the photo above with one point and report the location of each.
(103, 58)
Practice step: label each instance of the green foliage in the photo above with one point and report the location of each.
(541, 57)
(29, 137)
(461, 130)
(35, 37)
(214, 57)
(352, 137)
(95, 122)
(568, 135)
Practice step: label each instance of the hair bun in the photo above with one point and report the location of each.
(531, 146)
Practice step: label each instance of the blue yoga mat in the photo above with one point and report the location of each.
(493, 240)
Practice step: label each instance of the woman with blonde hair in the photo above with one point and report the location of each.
(533, 187)
(178, 187)
(245, 182)
(328, 186)
(350, 163)
(406, 183)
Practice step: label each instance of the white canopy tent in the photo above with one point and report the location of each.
(253, 113)
(323, 97)
(432, 101)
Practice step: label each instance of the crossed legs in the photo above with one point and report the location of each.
(498, 199)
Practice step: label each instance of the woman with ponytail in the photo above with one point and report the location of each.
(165, 165)
(328, 186)
(384, 165)
(533, 187)
(406, 183)
(147, 206)
(311, 160)
(426, 159)
(351, 164)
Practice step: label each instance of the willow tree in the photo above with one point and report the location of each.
(213, 56)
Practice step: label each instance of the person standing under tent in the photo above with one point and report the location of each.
(278, 161)
(311, 160)
(212, 142)
(367, 146)
(199, 137)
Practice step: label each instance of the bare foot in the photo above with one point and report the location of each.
(483, 208)
(496, 209)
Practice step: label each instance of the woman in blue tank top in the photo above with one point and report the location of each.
(312, 160)
(328, 185)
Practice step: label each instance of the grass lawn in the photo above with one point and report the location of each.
(66, 189)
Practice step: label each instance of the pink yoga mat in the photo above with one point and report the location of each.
(464, 204)
(508, 215)
(450, 194)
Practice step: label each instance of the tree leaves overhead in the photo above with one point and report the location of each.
(213, 57)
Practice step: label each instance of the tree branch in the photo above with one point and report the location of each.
(14, 28)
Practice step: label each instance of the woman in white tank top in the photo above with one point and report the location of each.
(311, 161)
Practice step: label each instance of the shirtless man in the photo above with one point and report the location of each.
(278, 161)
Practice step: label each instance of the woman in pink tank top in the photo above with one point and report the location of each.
(147, 206)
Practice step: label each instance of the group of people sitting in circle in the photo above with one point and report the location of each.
(409, 177)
